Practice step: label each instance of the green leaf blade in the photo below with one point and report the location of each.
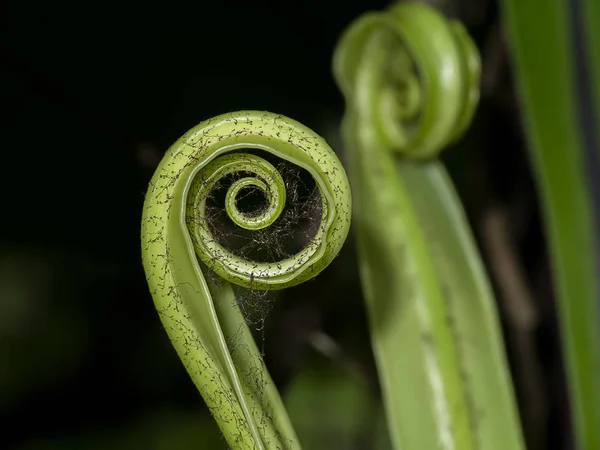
(543, 65)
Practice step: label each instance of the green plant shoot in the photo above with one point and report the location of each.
(190, 266)
(410, 80)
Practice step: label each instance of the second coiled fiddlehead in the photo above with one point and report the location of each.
(410, 80)
(411, 76)
(221, 180)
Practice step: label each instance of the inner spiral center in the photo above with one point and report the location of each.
(251, 201)
(241, 201)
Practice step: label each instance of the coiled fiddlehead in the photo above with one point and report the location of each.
(215, 166)
(410, 80)
(411, 75)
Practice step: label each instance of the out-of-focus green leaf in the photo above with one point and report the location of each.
(545, 65)
(590, 17)
(332, 410)
(547, 56)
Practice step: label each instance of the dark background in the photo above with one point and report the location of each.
(93, 95)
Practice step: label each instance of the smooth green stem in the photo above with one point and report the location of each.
(410, 80)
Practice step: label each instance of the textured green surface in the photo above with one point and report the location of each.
(544, 68)
(200, 314)
(410, 80)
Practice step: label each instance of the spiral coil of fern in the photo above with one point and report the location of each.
(180, 250)
(411, 75)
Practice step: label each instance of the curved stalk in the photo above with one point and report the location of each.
(190, 267)
(410, 80)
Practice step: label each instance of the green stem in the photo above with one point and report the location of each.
(410, 79)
